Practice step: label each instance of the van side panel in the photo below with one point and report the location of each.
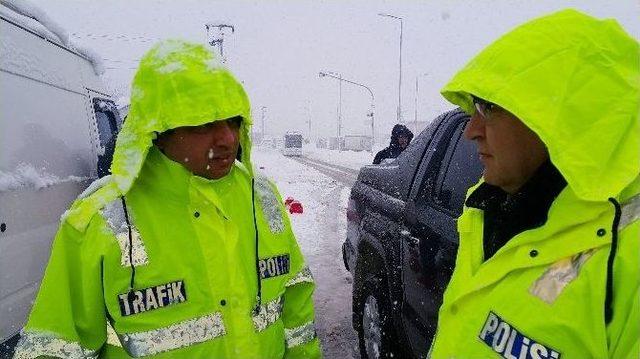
(46, 160)
(44, 127)
(29, 55)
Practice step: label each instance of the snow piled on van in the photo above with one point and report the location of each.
(16, 11)
(35, 19)
(26, 176)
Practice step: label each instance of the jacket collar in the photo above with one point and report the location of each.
(536, 194)
(572, 227)
(506, 215)
(171, 181)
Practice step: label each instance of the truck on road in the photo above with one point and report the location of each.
(402, 240)
(292, 144)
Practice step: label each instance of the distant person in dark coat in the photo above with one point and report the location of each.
(401, 136)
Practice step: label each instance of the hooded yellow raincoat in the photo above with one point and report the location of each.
(570, 288)
(154, 261)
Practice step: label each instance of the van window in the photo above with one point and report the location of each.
(107, 123)
(106, 128)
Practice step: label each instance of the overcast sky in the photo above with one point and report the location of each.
(279, 47)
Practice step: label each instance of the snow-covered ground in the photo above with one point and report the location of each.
(320, 231)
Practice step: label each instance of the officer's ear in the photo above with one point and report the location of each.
(161, 139)
(157, 141)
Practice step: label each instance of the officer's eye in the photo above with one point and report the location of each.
(198, 129)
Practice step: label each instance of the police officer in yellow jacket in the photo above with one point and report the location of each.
(548, 262)
(183, 252)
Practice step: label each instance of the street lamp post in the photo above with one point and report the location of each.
(339, 108)
(263, 109)
(370, 114)
(309, 119)
(415, 119)
(400, 66)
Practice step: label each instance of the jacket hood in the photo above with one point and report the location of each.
(575, 81)
(400, 130)
(177, 84)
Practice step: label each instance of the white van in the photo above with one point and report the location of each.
(57, 132)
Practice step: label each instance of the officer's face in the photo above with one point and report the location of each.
(509, 150)
(208, 151)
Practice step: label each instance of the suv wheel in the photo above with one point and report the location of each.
(376, 332)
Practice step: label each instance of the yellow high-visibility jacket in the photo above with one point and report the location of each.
(154, 261)
(570, 288)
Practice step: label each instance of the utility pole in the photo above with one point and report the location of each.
(339, 108)
(400, 66)
(218, 41)
(415, 118)
(309, 120)
(416, 102)
(263, 110)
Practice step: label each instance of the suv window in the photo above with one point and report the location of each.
(459, 171)
(455, 168)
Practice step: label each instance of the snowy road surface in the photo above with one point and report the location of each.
(344, 175)
(320, 231)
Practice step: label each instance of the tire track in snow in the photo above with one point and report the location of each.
(344, 175)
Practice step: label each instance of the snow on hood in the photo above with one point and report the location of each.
(177, 84)
(575, 81)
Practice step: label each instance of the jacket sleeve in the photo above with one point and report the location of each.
(298, 312)
(379, 157)
(68, 316)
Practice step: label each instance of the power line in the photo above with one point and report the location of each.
(111, 37)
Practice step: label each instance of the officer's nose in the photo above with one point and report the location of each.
(475, 128)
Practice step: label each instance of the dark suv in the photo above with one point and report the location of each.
(402, 240)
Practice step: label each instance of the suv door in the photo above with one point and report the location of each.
(430, 236)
